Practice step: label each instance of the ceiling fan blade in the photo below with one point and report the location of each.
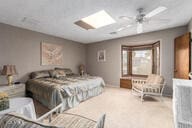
(139, 28)
(156, 11)
(161, 20)
(113, 33)
(121, 29)
(156, 21)
(127, 18)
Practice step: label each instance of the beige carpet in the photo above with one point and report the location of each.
(125, 110)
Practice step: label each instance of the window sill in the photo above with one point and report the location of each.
(134, 76)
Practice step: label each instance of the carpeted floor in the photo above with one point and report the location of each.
(125, 110)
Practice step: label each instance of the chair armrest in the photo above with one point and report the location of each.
(77, 115)
(148, 85)
(155, 86)
(50, 113)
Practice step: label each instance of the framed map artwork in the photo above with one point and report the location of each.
(51, 54)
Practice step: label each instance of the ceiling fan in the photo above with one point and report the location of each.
(140, 19)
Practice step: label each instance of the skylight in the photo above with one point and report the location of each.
(99, 19)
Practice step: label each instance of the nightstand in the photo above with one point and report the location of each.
(17, 90)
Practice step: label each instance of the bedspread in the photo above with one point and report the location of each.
(53, 90)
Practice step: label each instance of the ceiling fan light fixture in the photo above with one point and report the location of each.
(156, 11)
(139, 28)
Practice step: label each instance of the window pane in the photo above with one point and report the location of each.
(158, 60)
(142, 62)
(156, 65)
(125, 62)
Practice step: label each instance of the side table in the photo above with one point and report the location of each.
(21, 105)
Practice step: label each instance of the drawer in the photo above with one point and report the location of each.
(21, 94)
(16, 89)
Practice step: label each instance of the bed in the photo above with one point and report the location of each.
(67, 88)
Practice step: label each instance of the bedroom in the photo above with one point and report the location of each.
(26, 26)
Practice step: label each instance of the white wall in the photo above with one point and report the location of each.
(111, 69)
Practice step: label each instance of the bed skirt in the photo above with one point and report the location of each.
(70, 102)
(73, 101)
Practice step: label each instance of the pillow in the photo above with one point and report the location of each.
(155, 79)
(40, 74)
(67, 71)
(57, 73)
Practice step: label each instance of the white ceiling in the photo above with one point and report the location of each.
(57, 17)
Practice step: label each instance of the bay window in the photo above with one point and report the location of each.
(141, 60)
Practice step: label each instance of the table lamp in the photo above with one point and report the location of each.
(9, 71)
(81, 69)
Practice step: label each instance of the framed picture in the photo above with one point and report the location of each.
(101, 57)
(51, 54)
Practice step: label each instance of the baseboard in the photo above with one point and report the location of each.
(112, 86)
(168, 92)
(168, 95)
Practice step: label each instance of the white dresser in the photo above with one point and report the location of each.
(17, 90)
(182, 103)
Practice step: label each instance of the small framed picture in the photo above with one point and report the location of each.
(101, 57)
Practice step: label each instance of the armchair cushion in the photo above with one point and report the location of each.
(153, 84)
(154, 79)
(70, 120)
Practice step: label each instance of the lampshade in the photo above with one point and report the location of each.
(9, 70)
(81, 67)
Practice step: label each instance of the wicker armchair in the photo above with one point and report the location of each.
(153, 85)
(60, 120)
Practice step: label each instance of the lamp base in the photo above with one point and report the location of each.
(10, 79)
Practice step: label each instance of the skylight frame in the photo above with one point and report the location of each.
(99, 19)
